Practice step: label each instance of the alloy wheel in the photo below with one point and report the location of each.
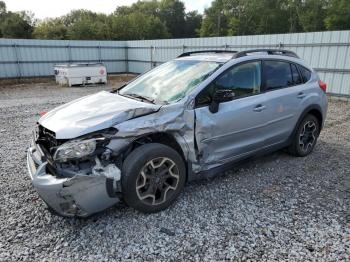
(157, 181)
(307, 137)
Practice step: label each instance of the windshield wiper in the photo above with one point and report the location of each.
(141, 97)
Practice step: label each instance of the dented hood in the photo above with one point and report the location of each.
(92, 113)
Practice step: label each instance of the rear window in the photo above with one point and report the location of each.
(305, 73)
(277, 74)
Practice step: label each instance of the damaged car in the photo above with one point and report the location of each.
(190, 118)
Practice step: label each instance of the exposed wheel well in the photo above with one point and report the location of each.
(162, 138)
(318, 115)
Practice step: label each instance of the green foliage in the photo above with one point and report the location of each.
(243, 17)
(338, 17)
(312, 14)
(2, 8)
(146, 7)
(15, 25)
(249, 17)
(193, 22)
(86, 25)
(51, 29)
(137, 26)
(142, 20)
(153, 19)
(215, 21)
(172, 12)
(2, 15)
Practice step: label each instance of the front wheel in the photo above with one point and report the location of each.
(153, 177)
(305, 137)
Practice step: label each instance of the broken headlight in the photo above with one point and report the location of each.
(76, 149)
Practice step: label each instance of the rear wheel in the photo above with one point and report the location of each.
(153, 177)
(305, 137)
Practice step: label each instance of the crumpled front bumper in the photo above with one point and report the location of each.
(81, 195)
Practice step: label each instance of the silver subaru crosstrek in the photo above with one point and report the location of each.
(187, 119)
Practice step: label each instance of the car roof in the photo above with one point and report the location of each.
(217, 57)
(223, 56)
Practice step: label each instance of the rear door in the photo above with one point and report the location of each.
(238, 127)
(283, 87)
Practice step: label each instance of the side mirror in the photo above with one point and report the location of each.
(220, 96)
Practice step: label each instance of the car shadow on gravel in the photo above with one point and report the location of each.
(232, 175)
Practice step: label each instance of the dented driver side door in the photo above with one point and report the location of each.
(238, 128)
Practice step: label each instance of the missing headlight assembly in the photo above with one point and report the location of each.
(80, 178)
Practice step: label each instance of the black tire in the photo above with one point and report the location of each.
(303, 146)
(137, 184)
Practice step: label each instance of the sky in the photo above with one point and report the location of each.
(55, 8)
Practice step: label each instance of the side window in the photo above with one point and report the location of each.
(295, 74)
(277, 74)
(306, 74)
(243, 80)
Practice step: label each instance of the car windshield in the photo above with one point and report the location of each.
(171, 81)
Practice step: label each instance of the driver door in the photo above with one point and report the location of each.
(238, 128)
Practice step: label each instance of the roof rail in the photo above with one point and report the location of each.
(268, 51)
(206, 51)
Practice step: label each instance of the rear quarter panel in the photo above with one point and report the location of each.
(315, 96)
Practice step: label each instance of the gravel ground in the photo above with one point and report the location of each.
(273, 208)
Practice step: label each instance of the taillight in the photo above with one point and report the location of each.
(322, 85)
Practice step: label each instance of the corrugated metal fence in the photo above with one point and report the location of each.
(327, 52)
(33, 58)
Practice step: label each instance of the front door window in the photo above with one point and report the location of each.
(243, 79)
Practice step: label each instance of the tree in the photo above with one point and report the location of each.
(311, 15)
(86, 25)
(167, 18)
(172, 13)
(2, 14)
(147, 7)
(265, 17)
(243, 17)
(2, 8)
(293, 8)
(193, 22)
(338, 15)
(215, 21)
(52, 28)
(144, 7)
(14, 25)
(137, 26)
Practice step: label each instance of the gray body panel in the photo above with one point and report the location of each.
(92, 113)
(234, 130)
(237, 131)
(207, 140)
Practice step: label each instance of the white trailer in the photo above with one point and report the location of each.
(80, 74)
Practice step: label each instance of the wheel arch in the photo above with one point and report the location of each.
(314, 110)
(317, 113)
(164, 138)
(173, 140)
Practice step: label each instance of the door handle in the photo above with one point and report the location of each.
(259, 108)
(301, 95)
